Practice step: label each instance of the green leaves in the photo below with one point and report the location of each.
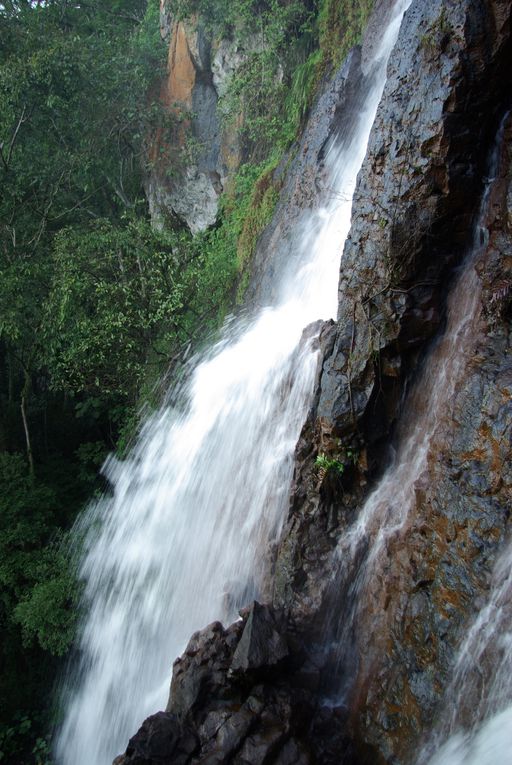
(75, 328)
(116, 292)
(325, 464)
(47, 611)
(73, 89)
(36, 577)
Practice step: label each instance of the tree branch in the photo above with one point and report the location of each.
(6, 160)
(24, 397)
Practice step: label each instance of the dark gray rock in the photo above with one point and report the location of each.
(416, 199)
(201, 672)
(261, 644)
(160, 740)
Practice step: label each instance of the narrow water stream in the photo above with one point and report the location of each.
(476, 725)
(477, 716)
(182, 539)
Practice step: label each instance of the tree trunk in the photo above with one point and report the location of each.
(24, 397)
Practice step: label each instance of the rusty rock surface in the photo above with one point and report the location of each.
(204, 152)
(414, 209)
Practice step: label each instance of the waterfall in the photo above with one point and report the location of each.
(196, 506)
(475, 727)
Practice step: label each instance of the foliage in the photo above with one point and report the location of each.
(17, 744)
(341, 23)
(47, 611)
(74, 117)
(259, 209)
(65, 64)
(287, 46)
(36, 577)
(326, 464)
(116, 292)
(272, 88)
(38, 595)
(338, 462)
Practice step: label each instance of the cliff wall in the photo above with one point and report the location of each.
(349, 659)
(414, 214)
(201, 150)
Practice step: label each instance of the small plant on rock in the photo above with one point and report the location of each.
(325, 465)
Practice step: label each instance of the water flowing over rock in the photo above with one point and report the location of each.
(411, 563)
(197, 508)
(383, 584)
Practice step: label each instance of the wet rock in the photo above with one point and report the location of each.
(232, 700)
(416, 197)
(261, 644)
(160, 740)
(201, 672)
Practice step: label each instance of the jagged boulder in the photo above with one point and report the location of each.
(202, 672)
(261, 644)
(230, 701)
(160, 740)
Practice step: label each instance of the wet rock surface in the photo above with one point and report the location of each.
(234, 700)
(415, 205)
(255, 692)
(229, 701)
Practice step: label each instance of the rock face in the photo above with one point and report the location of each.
(377, 624)
(205, 152)
(229, 701)
(415, 205)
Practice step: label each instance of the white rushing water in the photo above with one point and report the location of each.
(476, 725)
(184, 537)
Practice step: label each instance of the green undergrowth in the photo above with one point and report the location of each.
(260, 205)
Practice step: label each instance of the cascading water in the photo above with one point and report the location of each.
(476, 725)
(183, 539)
(480, 695)
(483, 673)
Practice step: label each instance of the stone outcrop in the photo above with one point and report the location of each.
(203, 152)
(229, 701)
(256, 692)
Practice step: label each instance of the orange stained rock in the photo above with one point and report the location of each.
(182, 73)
